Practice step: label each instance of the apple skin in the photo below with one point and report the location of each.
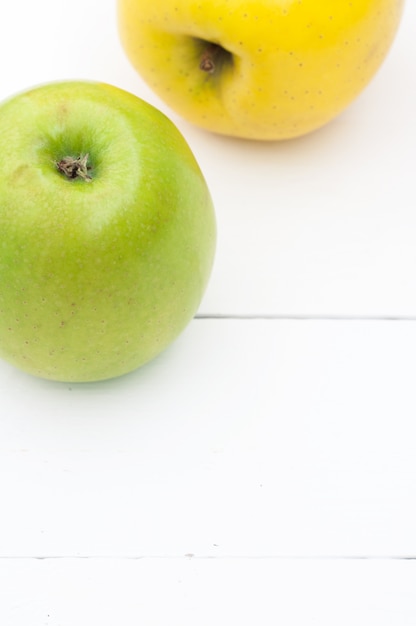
(97, 277)
(283, 68)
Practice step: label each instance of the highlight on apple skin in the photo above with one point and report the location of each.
(258, 69)
(107, 232)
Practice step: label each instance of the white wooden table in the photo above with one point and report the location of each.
(263, 469)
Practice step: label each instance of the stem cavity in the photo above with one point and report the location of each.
(75, 167)
(210, 57)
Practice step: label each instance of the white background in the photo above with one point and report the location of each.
(263, 469)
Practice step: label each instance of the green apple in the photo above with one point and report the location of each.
(107, 231)
(258, 69)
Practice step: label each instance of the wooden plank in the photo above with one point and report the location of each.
(185, 592)
(320, 226)
(247, 438)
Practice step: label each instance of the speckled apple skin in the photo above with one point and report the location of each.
(289, 68)
(97, 278)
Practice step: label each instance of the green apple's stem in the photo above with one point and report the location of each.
(209, 57)
(75, 167)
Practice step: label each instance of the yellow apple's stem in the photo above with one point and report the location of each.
(75, 167)
(209, 57)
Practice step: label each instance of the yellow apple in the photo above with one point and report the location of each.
(259, 69)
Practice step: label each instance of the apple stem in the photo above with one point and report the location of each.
(209, 57)
(75, 167)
